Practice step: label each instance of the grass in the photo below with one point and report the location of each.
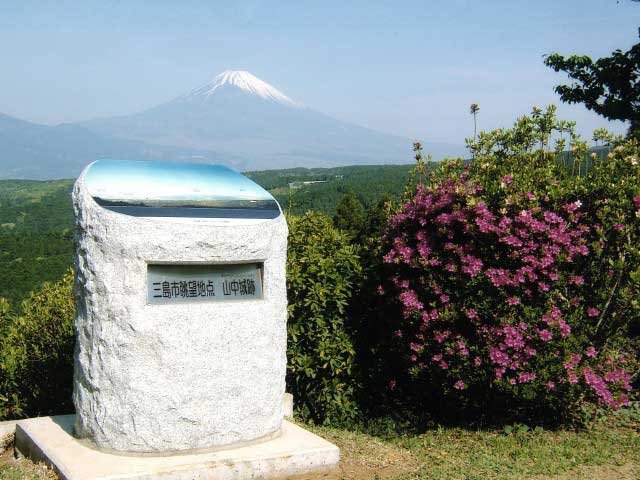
(608, 450)
(24, 470)
(20, 469)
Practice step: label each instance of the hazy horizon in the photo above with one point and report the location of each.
(410, 70)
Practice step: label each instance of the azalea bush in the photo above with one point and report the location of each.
(517, 277)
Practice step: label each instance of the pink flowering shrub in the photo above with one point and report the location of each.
(498, 273)
(493, 294)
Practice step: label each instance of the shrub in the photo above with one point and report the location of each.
(36, 355)
(607, 191)
(506, 273)
(350, 215)
(322, 273)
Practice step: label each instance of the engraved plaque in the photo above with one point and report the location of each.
(203, 283)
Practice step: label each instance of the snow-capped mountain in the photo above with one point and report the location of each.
(238, 79)
(242, 116)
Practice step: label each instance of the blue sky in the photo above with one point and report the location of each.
(403, 67)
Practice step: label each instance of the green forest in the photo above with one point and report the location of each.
(36, 239)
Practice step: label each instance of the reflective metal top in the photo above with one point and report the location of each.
(172, 189)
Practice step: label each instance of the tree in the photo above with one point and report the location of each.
(349, 215)
(609, 86)
(474, 109)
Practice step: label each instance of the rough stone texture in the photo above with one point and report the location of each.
(287, 405)
(174, 377)
(296, 451)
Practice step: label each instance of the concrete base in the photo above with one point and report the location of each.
(8, 427)
(294, 452)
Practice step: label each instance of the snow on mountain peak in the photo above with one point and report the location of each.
(244, 81)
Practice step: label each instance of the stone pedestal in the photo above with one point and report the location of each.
(294, 451)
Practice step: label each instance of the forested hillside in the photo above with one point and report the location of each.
(368, 183)
(35, 234)
(36, 218)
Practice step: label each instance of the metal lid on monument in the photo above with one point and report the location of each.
(174, 189)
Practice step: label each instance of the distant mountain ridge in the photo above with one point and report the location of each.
(41, 152)
(235, 120)
(238, 113)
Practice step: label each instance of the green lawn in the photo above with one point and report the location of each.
(609, 450)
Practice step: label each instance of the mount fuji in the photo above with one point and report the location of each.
(236, 120)
(239, 115)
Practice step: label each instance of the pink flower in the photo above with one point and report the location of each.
(591, 352)
(545, 335)
(444, 365)
(410, 300)
(513, 338)
(599, 387)
(471, 314)
(471, 265)
(437, 358)
(551, 386)
(498, 357)
(543, 287)
(572, 207)
(459, 385)
(619, 227)
(507, 180)
(440, 337)
(392, 384)
(564, 327)
(526, 377)
(593, 312)
(477, 361)
(513, 301)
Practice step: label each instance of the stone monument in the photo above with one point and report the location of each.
(181, 318)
